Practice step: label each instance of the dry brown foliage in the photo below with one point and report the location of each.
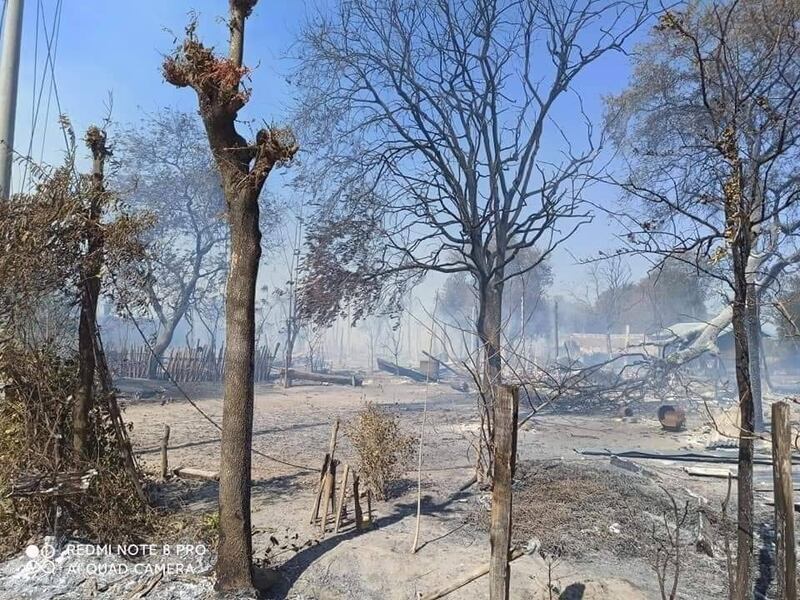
(383, 449)
(43, 252)
(36, 411)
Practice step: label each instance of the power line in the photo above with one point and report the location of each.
(194, 405)
(51, 42)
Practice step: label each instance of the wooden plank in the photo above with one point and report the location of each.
(785, 553)
(506, 411)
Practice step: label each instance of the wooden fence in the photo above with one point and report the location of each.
(184, 364)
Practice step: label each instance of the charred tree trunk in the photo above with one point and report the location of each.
(89, 293)
(745, 463)
(738, 222)
(754, 345)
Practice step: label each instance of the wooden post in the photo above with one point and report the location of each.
(320, 488)
(359, 516)
(785, 559)
(330, 488)
(323, 475)
(164, 460)
(334, 434)
(342, 497)
(506, 409)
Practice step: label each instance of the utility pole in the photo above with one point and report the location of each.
(9, 78)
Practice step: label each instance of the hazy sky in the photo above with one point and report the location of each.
(114, 47)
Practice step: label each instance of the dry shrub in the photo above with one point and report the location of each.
(36, 412)
(383, 449)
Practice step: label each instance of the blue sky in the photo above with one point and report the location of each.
(114, 47)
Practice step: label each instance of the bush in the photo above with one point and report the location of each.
(35, 411)
(383, 449)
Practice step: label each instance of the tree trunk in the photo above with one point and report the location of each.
(162, 342)
(84, 392)
(234, 568)
(489, 326)
(290, 337)
(490, 323)
(754, 345)
(741, 246)
(89, 293)
(745, 463)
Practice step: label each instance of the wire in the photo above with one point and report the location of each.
(183, 392)
(51, 41)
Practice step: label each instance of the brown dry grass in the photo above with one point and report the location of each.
(570, 507)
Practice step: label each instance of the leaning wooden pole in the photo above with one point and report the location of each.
(415, 542)
(785, 553)
(506, 410)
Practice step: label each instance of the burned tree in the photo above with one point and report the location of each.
(710, 130)
(434, 118)
(89, 286)
(243, 167)
(167, 169)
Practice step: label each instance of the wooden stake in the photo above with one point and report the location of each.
(505, 448)
(415, 542)
(320, 487)
(164, 460)
(785, 559)
(359, 516)
(334, 434)
(330, 487)
(342, 497)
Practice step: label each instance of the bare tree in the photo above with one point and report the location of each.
(243, 167)
(286, 297)
(435, 125)
(710, 129)
(167, 170)
(393, 339)
(611, 280)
